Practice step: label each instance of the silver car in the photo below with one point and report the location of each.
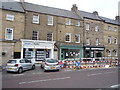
(19, 65)
(50, 64)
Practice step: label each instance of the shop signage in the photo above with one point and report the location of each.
(97, 48)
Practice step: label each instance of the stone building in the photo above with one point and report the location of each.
(37, 32)
(12, 30)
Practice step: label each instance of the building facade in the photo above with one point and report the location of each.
(37, 32)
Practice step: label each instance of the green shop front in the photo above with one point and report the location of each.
(70, 51)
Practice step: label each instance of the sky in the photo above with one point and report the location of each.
(105, 8)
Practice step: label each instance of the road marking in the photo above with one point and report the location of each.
(115, 86)
(37, 73)
(45, 80)
(18, 75)
(94, 74)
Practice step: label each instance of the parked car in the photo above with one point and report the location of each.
(50, 64)
(19, 65)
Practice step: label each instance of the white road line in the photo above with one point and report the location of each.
(45, 80)
(115, 86)
(94, 74)
(18, 75)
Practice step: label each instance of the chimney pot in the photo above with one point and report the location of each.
(117, 18)
(95, 13)
(74, 8)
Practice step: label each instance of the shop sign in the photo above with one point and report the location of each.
(97, 48)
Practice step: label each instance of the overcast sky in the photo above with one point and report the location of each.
(106, 8)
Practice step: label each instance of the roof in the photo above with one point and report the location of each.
(50, 10)
(89, 15)
(111, 21)
(13, 6)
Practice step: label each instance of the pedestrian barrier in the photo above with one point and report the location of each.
(89, 63)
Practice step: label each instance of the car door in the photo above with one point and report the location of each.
(23, 64)
(28, 64)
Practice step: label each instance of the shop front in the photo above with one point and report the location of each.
(70, 52)
(93, 52)
(37, 50)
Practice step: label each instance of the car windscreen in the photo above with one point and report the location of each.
(52, 61)
(12, 61)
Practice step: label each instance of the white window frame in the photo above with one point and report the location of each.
(109, 27)
(97, 41)
(87, 26)
(69, 37)
(96, 28)
(51, 36)
(10, 17)
(78, 37)
(115, 40)
(68, 22)
(77, 23)
(115, 29)
(87, 41)
(50, 20)
(109, 38)
(35, 19)
(6, 32)
(36, 36)
(109, 52)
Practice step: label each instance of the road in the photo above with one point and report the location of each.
(85, 78)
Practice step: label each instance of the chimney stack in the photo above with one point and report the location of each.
(22, 1)
(95, 13)
(74, 8)
(117, 18)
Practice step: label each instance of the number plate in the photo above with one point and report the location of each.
(52, 67)
(9, 69)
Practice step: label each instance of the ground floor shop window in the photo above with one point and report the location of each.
(17, 55)
(70, 53)
(37, 54)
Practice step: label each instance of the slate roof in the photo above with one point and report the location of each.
(13, 6)
(89, 15)
(111, 21)
(50, 10)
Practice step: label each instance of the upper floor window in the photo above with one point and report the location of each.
(109, 27)
(115, 40)
(87, 26)
(109, 40)
(49, 36)
(77, 38)
(109, 52)
(68, 37)
(115, 29)
(87, 41)
(35, 35)
(35, 19)
(50, 20)
(68, 22)
(8, 34)
(77, 23)
(97, 41)
(10, 17)
(96, 28)
(115, 52)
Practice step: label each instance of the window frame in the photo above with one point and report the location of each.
(51, 39)
(69, 37)
(68, 21)
(96, 28)
(97, 41)
(36, 19)
(87, 41)
(87, 26)
(78, 38)
(50, 20)
(77, 23)
(109, 28)
(109, 52)
(10, 17)
(6, 36)
(37, 34)
(109, 38)
(115, 29)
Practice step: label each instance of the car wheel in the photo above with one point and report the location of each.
(41, 66)
(33, 67)
(20, 70)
